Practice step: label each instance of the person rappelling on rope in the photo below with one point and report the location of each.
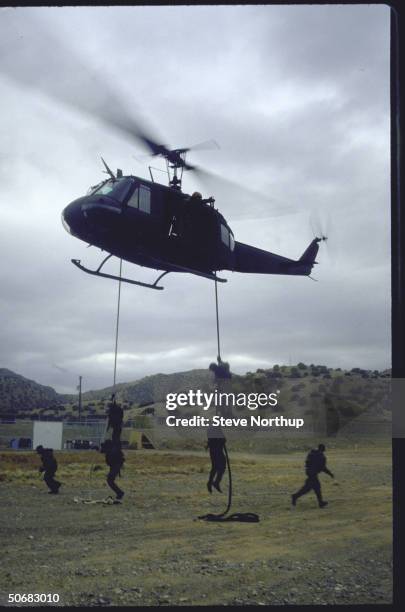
(115, 418)
(114, 458)
(49, 467)
(221, 370)
(216, 439)
(216, 445)
(222, 382)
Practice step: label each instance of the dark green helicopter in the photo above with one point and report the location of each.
(158, 226)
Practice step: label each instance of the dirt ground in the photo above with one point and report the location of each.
(150, 551)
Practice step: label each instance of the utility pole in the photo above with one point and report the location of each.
(80, 398)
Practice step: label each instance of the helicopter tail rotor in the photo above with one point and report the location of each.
(320, 224)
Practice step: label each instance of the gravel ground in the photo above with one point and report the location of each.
(150, 551)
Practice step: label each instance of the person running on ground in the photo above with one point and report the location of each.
(115, 418)
(216, 445)
(49, 467)
(114, 458)
(314, 464)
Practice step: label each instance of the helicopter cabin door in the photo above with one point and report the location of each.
(199, 234)
(144, 213)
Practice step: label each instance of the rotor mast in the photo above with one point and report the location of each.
(176, 161)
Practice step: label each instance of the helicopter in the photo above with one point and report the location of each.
(161, 227)
(139, 221)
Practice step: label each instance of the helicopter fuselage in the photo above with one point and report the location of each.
(161, 227)
(152, 225)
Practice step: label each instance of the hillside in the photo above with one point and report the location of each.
(21, 394)
(21, 397)
(154, 388)
(329, 398)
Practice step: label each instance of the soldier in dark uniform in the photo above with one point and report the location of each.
(221, 370)
(223, 383)
(216, 445)
(195, 198)
(49, 467)
(115, 417)
(114, 458)
(314, 464)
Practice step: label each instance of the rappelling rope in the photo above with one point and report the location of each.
(217, 318)
(115, 363)
(242, 517)
(246, 517)
(117, 327)
(229, 482)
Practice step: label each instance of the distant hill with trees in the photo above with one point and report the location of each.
(19, 395)
(154, 388)
(331, 395)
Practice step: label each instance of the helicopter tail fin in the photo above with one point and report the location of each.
(308, 256)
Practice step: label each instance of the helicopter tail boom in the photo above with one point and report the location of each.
(257, 261)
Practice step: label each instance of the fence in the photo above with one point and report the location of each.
(92, 431)
(86, 430)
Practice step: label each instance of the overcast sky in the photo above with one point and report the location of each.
(297, 98)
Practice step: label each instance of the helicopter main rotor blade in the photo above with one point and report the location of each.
(254, 204)
(33, 57)
(207, 145)
(25, 57)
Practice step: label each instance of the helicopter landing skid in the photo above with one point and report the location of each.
(209, 275)
(97, 272)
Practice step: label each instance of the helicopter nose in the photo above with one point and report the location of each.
(72, 218)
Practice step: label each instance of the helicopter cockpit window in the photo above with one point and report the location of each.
(93, 189)
(117, 189)
(141, 199)
(231, 241)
